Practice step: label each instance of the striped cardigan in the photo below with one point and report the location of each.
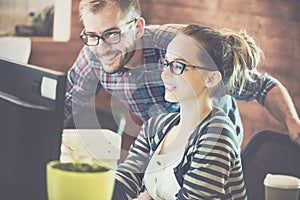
(210, 168)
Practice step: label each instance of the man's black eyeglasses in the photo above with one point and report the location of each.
(177, 67)
(111, 37)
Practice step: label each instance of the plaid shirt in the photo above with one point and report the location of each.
(141, 88)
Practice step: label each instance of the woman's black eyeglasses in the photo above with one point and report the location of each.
(177, 67)
(111, 37)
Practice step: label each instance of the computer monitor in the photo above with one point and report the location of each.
(31, 123)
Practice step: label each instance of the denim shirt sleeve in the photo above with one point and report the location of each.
(258, 89)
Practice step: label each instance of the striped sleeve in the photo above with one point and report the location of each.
(214, 169)
(130, 173)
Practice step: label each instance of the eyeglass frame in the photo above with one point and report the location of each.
(163, 64)
(82, 35)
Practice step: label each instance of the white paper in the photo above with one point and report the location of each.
(91, 145)
(48, 88)
(15, 48)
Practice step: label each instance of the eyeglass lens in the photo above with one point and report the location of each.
(109, 38)
(112, 37)
(175, 67)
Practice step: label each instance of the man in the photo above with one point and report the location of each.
(121, 55)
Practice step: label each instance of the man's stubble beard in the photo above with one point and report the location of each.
(128, 56)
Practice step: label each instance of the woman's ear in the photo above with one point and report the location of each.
(213, 78)
(139, 25)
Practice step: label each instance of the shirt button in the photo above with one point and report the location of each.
(159, 163)
(155, 180)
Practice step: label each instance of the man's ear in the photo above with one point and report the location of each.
(213, 78)
(139, 25)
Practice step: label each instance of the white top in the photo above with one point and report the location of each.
(159, 178)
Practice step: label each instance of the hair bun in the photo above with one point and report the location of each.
(231, 40)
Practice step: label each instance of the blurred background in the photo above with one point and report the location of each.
(275, 24)
(26, 18)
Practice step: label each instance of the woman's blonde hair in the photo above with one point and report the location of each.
(247, 56)
(234, 53)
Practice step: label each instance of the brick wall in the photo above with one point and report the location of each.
(275, 24)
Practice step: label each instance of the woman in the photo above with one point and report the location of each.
(193, 154)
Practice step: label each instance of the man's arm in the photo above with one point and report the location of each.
(82, 84)
(280, 105)
(271, 94)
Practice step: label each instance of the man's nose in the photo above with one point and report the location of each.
(103, 46)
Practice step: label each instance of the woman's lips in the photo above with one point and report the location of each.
(169, 87)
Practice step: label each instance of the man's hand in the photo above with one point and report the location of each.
(294, 130)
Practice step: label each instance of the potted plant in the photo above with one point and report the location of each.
(79, 181)
(86, 170)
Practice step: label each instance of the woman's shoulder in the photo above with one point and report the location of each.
(218, 117)
(220, 125)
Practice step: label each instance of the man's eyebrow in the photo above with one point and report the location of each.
(108, 30)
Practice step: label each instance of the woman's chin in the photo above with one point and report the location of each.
(171, 98)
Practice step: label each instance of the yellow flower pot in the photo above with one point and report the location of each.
(72, 185)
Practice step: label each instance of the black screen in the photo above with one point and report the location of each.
(31, 123)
